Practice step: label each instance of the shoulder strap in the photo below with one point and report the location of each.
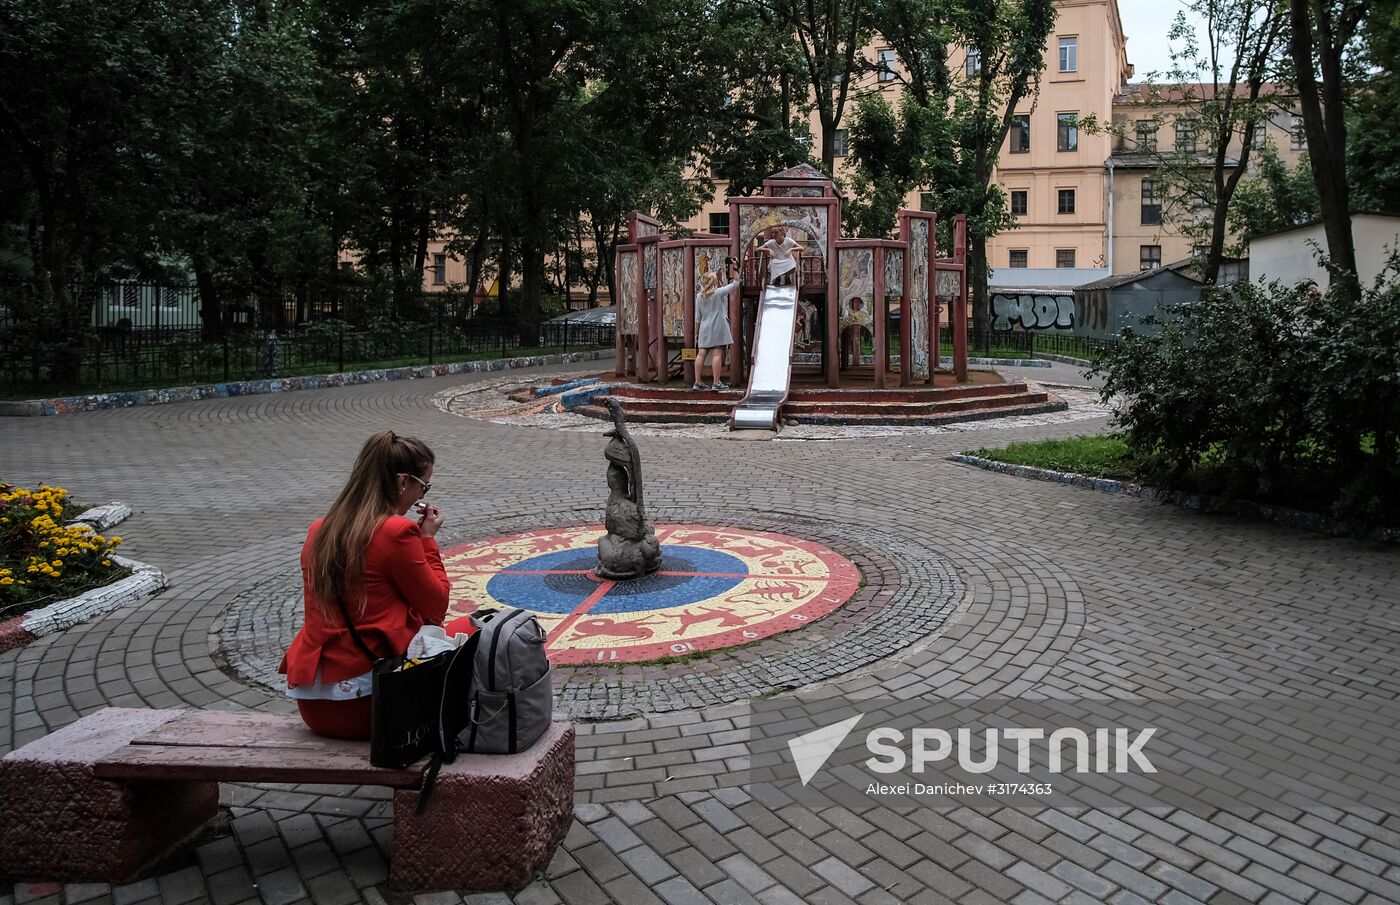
(350, 624)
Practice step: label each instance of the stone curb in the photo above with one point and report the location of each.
(68, 404)
(143, 581)
(1065, 359)
(1293, 518)
(100, 518)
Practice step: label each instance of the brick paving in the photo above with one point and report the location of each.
(1066, 592)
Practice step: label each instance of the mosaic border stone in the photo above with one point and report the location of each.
(143, 581)
(65, 405)
(910, 591)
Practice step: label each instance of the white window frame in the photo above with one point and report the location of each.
(1069, 62)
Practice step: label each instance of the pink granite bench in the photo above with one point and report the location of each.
(104, 798)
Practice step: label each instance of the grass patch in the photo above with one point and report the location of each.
(1098, 456)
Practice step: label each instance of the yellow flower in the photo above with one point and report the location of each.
(7, 580)
(106, 562)
(57, 563)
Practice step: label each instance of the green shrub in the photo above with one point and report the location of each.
(1274, 391)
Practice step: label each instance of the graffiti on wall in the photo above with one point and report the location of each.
(919, 253)
(627, 292)
(1032, 311)
(673, 292)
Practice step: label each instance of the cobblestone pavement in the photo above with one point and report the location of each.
(1066, 592)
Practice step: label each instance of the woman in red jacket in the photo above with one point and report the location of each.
(387, 571)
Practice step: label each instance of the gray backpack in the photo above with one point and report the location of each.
(512, 697)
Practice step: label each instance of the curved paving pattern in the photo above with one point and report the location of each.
(1066, 592)
(907, 592)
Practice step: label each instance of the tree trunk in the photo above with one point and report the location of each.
(504, 277)
(977, 283)
(210, 311)
(532, 277)
(1324, 124)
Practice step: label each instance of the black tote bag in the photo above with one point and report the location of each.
(406, 706)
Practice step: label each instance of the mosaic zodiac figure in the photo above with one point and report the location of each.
(630, 548)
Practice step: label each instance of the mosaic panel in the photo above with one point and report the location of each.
(627, 290)
(673, 292)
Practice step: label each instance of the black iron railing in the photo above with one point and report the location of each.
(141, 336)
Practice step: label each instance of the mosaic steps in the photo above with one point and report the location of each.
(652, 405)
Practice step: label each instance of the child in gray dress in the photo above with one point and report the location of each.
(712, 334)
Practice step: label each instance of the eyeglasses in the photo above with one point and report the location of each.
(427, 485)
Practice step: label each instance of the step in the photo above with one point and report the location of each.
(913, 408)
(907, 394)
(888, 420)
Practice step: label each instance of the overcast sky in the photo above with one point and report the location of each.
(1146, 23)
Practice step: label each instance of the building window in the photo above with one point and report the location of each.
(1020, 133)
(1064, 258)
(1146, 135)
(1018, 202)
(1069, 54)
(1067, 136)
(974, 61)
(838, 143)
(1151, 203)
(926, 202)
(719, 223)
(886, 66)
(1149, 257)
(1066, 201)
(439, 270)
(1020, 259)
(1297, 135)
(1261, 132)
(1186, 135)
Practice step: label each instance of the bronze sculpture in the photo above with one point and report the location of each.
(630, 548)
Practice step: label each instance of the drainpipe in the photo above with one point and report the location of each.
(1110, 215)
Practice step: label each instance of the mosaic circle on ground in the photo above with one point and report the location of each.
(717, 587)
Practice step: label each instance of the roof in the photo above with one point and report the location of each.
(1318, 222)
(1126, 279)
(1136, 160)
(1143, 92)
(604, 316)
(801, 171)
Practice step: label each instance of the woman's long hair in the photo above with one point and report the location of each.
(337, 568)
(709, 282)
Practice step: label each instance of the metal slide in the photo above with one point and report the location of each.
(772, 361)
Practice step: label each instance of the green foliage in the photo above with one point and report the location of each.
(948, 132)
(1373, 143)
(1275, 389)
(1277, 198)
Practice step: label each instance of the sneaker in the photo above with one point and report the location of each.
(720, 387)
(698, 387)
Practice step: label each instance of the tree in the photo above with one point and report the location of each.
(1277, 198)
(1373, 143)
(1322, 34)
(81, 119)
(1221, 86)
(952, 127)
(830, 37)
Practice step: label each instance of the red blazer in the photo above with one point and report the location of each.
(406, 587)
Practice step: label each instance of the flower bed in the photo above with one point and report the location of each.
(44, 558)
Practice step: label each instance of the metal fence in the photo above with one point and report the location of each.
(147, 335)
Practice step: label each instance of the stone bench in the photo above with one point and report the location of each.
(104, 798)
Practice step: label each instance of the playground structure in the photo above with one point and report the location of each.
(807, 338)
